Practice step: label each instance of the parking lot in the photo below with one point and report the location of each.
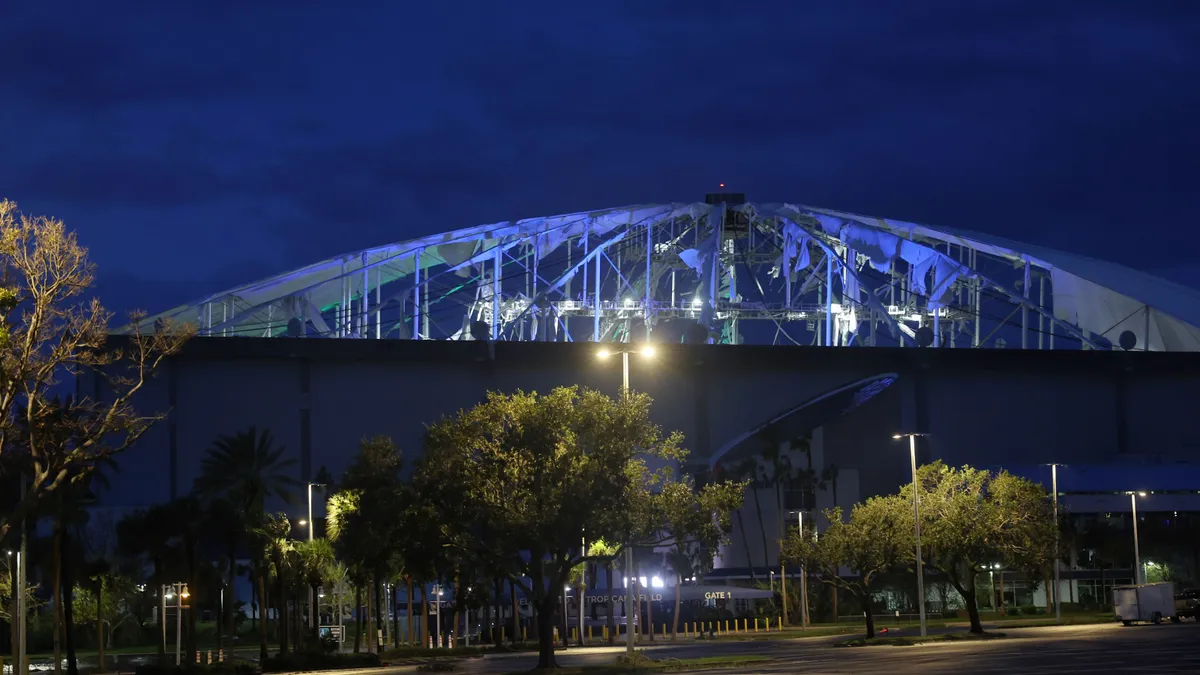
(1107, 648)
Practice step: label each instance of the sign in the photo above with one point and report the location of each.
(718, 595)
(334, 633)
(603, 599)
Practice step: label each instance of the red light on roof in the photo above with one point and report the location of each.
(722, 185)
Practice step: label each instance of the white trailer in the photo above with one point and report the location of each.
(1144, 602)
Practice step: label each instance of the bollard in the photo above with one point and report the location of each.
(781, 623)
(501, 635)
(523, 635)
(756, 624)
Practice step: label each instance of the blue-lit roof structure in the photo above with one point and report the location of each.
(721, 271)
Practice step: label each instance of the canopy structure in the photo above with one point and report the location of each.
(720, 271)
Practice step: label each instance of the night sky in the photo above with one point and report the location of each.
(197, 145)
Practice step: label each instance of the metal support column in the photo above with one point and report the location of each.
(378, 304)
(416, 299)
(364, 306)
(1025, 310)
(1042, 304)
(596, 290)
(978, 311)
(496, 265)
(649, 257)
(829, 299)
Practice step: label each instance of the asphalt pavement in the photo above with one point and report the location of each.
(1105, 648)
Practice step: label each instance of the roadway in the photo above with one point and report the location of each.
(1108, 648)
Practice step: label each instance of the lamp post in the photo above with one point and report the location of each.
(312, 607)
(1057, 583)
(178, 591)
(1137, 554)
(803, 578)
(631, 592)
(912, 453)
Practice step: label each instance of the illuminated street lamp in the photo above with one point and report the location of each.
(312, 607)
(912, 453)
(1138, 577)
(178, 591)
(646, 351)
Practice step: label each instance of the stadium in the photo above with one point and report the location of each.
(782, 330)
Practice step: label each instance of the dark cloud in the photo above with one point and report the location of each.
(138, 181)
(277, 134)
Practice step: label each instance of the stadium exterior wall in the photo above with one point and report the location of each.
(982, 407)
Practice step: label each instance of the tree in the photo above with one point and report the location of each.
(972, 518)
(365, 520)
(273, 549)
(316, 559)
(696, 523)
(872, 542)
(238, 474)
(48, 332)
(538, 472)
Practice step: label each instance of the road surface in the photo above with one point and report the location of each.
(1105, 648)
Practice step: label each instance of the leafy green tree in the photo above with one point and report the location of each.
(971, 518)
(696, 523)
(366, 520)
(538, 472)
(872, 542)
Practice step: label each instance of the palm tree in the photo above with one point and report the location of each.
(316, 558)
(275, 546)
(244, 471)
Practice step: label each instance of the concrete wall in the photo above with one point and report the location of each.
(982, 407)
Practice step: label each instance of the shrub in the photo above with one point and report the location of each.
(284, 663)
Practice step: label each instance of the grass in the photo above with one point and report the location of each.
(908, 640)
(1067, 620)
(427, 652)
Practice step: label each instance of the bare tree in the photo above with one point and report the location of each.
(49, 331)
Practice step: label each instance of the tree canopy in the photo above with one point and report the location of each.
(49, 331)
(973, 518)
(538, 471)
(871, 543)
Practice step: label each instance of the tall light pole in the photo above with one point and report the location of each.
(803, 578)
(1057, 582)
(1137, 553)
(180, 592)
(631, 592)
(312, 606)
(912, 453)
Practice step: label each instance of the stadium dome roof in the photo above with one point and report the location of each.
(722, 270)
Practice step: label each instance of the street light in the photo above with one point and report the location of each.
(312, 608)
(178, 591)
(1137, 554)
(912, 453)
(647, 351)
(1057, 583)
